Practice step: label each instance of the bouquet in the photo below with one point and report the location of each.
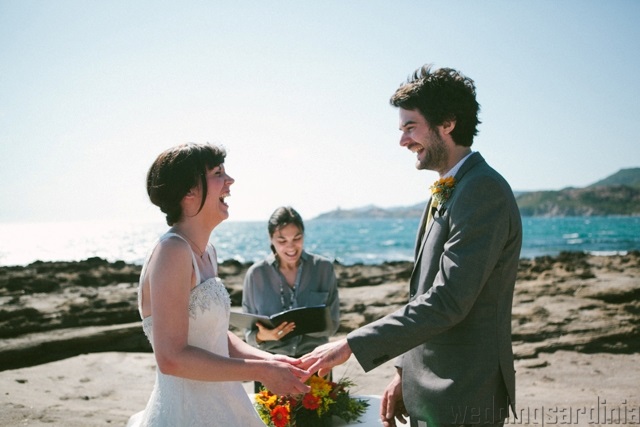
(315, 408)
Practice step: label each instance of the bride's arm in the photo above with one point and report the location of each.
(171, 278)
(239, 348)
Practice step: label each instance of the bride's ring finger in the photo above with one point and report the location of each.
(280, 332)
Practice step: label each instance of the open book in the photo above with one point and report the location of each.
(307, 319)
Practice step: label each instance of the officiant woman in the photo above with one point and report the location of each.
(289, 278)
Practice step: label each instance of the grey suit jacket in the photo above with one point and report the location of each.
(454, 335)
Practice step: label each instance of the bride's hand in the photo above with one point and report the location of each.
(285, 359)
(392, 404)
(284, 378)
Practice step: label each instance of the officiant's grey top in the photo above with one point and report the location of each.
(262, 295)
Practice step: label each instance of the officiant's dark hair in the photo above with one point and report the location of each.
(440, 95)
(282, 217)
(176, 171)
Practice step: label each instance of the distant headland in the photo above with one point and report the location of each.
(617, 194)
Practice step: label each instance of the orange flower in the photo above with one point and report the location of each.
(310, 401)
(280, 416)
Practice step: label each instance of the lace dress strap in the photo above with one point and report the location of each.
(148, 257)
(193, 255)
(213, 257)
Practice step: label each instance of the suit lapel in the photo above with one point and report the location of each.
(473, 160)
(421, 230)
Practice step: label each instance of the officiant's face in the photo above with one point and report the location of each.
(288, 242)
(422, 139)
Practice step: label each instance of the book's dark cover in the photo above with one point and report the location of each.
(307, 319)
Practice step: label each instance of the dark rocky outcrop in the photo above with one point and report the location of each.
(54, 310)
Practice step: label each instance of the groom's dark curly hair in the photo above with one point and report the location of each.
(440, 95)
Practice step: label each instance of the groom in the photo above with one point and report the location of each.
(453, 338)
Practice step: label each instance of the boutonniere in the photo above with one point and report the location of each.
(441, 189)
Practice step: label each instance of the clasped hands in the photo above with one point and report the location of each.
(327, 356)
(321, 360)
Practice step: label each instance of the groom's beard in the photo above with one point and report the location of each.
(435, 156)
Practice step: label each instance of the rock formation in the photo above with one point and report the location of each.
(54, 310)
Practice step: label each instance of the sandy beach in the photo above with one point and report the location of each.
(104, 389)
(575, 329)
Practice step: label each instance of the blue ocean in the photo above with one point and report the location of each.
(367, 241)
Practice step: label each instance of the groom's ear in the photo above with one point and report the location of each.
(448, 126)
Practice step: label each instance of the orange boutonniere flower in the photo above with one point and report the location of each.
(441, 189)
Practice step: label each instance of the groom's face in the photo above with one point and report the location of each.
(423, 140)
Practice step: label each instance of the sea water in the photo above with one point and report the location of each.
(349, 241)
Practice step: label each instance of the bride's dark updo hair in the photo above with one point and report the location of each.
(178, 170)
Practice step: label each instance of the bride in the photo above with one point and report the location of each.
(185, 307)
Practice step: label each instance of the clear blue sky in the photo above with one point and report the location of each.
(92, 91)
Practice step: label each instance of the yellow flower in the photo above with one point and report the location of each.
(441, 189)
(265, 398)
(319, 386)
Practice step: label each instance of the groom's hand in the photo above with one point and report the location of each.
(325, 357)
(392, 404)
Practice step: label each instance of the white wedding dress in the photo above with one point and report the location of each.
(177, 402)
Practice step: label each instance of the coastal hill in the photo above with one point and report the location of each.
(618, 194)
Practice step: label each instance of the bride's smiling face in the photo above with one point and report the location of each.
(218, 186)
(288, 242)
(218, 189)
